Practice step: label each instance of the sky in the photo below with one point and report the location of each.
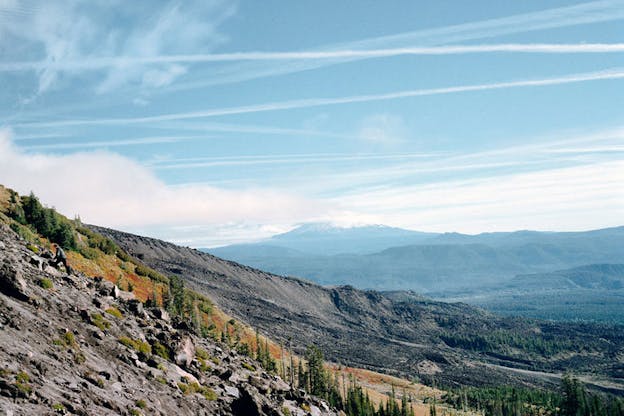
(215, 122)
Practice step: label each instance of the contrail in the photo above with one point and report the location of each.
(95, 63)
(616, 73)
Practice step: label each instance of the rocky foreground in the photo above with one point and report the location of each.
(73, 344)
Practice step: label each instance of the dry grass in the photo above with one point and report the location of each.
(4, 198)
(379, 386)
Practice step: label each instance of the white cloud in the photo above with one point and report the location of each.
(582, 197)
(111, 190)
(54, 32)
(160, 77)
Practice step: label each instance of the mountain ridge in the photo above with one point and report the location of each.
(438, 263)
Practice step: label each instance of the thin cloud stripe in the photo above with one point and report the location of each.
(611, 74)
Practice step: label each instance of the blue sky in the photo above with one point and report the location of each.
(213, 122)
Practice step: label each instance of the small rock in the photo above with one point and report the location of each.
(136, 306)
(178, 374)
(160, 313)
(107, 288)
(261, 384)
(249, 403)
(315, 411)
(279, 385)
(123, 295)
(231, 391)
(226, 374)
(37, 262)
(75, 282)
(115, 292)
(52, 271)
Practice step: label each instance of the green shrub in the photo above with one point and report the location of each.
(22, 377)
(205, 306)
(184, 388)
(99, 321)
(46, 283)
(68, 340)
(201, 353)
(209, 394)
(161, 351)
(123, 256)
(161, 380)
(244, 349)
(128, 342)
(194, 387)
(23, 231)
(80, 358)
(141, 404)
(114, 312)
(134, 412)
(22, 383)
(33, 248)
(249, 367)
(144, 348)
(142, 270)
(89, 253)
(59, 408)
(137, 345)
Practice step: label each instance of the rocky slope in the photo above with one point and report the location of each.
(398, 333)
(72, 344)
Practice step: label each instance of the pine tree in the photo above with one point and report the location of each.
(301, 376)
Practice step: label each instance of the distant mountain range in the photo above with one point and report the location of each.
(591, 292)
(388, 258)
(325, 239)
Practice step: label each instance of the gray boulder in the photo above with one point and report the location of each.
(184, 352)
(12, 282)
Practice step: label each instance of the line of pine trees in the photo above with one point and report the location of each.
(573, 400)
(312, 376)
(45, 221)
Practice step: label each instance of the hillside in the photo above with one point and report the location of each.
(452, 344)
(79, 345)
(191, 349)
